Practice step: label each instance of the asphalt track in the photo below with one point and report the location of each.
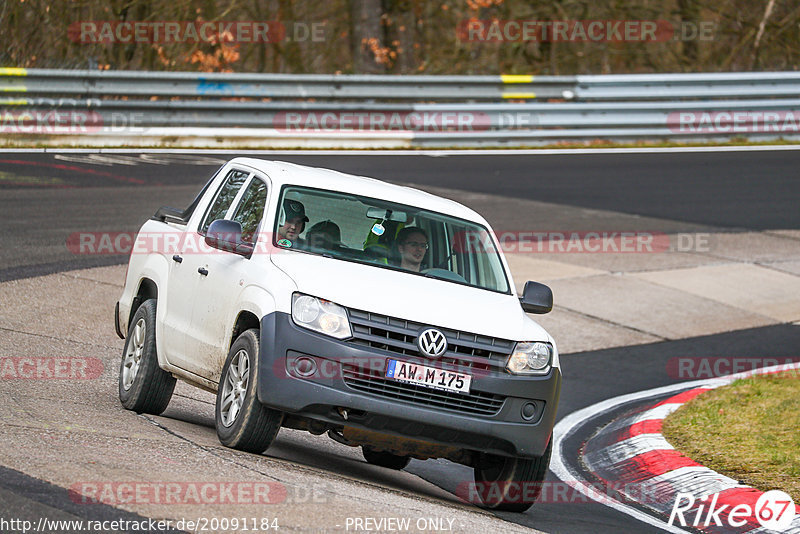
(45, 198)
(730, 191)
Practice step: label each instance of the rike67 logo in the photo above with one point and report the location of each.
(774, 510)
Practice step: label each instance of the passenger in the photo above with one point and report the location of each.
(325, 234)
(412, 246)
(294, 222)
(378, 247)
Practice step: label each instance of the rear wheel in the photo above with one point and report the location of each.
(511, 484)
(143, 386)
(384, 459)
(242, 422)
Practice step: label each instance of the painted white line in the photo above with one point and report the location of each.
(569, 425)
(421, 152)
(627, 448)
(659, 412)
(703, 481)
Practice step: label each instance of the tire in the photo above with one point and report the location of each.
(385, 459)
(242, 422)
(511, 484)
(143, 386)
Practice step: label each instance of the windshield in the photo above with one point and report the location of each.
(388, 235)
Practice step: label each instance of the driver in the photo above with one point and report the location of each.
(412, 245)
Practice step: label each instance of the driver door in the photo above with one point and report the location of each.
(186, 273)
(217, 293)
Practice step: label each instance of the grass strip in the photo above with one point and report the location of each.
(748, 430)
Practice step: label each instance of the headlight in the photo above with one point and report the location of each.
(320, 315)
(530, 358)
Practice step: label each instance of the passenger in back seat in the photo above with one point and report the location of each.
(325, 234)
(381, 247)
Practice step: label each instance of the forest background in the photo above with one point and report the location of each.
(407, 36)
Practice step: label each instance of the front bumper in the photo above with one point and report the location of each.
(507, 431)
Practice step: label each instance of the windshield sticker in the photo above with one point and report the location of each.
(285, 243)
(378, 229)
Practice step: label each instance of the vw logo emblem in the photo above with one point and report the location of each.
(432, 343)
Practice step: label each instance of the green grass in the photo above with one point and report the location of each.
(748, 430)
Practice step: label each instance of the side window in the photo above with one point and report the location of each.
(251, 209)
(225, 195)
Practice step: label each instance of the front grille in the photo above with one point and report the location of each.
(376, 384)
(399, 336)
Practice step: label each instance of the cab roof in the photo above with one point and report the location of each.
(285, 173)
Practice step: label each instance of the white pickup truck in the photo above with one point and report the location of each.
(381, 315)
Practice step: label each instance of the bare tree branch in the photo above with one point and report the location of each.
(761, 26)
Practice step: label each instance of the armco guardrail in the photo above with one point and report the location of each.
(137, 84)
(102, 84)
(688, 86)
(190, 109)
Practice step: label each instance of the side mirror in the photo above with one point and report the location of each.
(227, 235)
(536, 298)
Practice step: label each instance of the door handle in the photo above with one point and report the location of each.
(177, 258)
(203, 271)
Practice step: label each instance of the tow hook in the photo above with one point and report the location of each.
(336, 436)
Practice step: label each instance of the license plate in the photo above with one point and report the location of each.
(431, 377)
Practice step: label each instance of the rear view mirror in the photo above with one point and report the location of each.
(227, 235)
(387, 215)
(536, 298)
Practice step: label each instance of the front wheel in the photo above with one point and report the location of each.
(143, 386)
(511, 484)
(242, 422)
(385, 459)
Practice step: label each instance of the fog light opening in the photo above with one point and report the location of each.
(305, 367)
(528, 411)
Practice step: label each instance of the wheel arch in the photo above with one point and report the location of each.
(245, 320)
(147, 290)
(254, 303)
